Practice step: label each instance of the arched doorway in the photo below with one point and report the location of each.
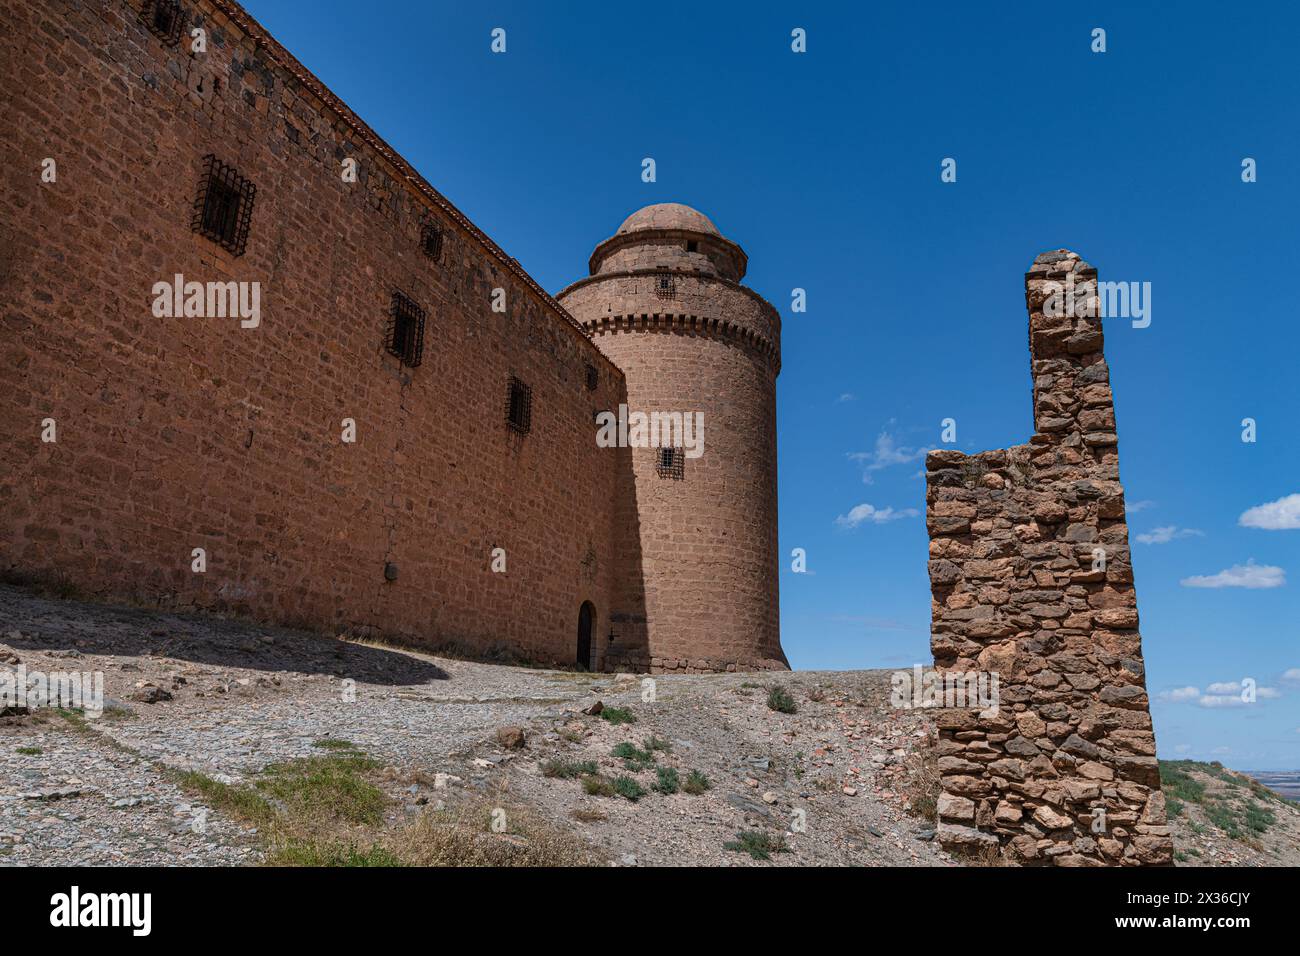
(586, 622)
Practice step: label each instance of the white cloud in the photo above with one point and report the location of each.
(1280, 515)
(1228, 694)
(1248, 575)
(846, 397)
(886, 454)
(868, 513)
(1166, 534)
(1219, 694)
(1224, 687)
(1221, 700)
(1292, 674)
(1133, 507)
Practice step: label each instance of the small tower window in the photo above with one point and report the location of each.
(692, 245)
(163, 18)
(593, 378)
(224, 207)
(431, 241)
(672, 463)
(406, 330)
(519, 406)
(665, 287)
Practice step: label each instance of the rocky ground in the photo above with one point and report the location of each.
(1223, 818)
(834, 783)
(228, 698)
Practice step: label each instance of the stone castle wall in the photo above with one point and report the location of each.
(1032, 580)
(183, 433)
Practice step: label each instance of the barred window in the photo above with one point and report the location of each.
(406, 330)
(164, 19)
(224, 206)
(672, 463)
(665, 287)
(431, 241)
(593, 378)
(519, 406)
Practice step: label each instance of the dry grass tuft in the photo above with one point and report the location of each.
(463, 836)
(921, 784)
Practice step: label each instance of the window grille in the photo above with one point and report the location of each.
(164, 19)
(431, 241)
(223, 209)
(406, 330)
(672, 463)
(519, 406)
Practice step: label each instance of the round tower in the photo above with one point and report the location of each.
(699, 563)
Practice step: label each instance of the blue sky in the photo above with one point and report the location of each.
(825, 167)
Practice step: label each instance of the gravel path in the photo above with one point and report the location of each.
(227, 698)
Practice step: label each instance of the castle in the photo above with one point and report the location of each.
(254, 363)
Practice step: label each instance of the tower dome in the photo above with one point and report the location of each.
(668, 215)
(698, 566)
(669, 237)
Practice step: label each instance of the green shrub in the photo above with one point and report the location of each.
(567, 769)
(634, 759)
(696, 783)
(1257, 818)
(779, 699)
(668, 781)
(1221, 815)
(1178, 783)
(757, 844)
(618, 715)
(628, 788)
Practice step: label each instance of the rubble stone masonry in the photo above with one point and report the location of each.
(1032, 580)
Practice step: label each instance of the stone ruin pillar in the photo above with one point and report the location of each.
(1031, 580)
